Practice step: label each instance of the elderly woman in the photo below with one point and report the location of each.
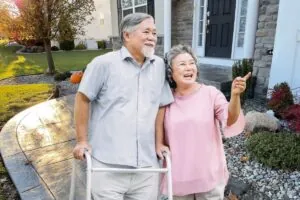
(189, 127)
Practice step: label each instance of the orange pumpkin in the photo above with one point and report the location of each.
(76, 77)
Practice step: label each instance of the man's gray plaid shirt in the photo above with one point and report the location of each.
(124, 102)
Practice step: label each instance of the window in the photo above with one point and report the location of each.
(242, 25)
(133, 6)
(200, 33)
(101, 18)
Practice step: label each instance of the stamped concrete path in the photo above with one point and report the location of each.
(36, 146)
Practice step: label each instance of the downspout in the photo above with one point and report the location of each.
(167, 25)
(251, 27)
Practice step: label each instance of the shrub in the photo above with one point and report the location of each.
(27, 50)
(54, 48)
(40, 49)
(59, 77)
(66, 45)
(3, 42)
(241, 68)
(67, 74)
(292, 115)
(276, 150)
(62, 76)
(281, 98)
(80, 46)
(101, 44)
(34, 49)
(31, 42)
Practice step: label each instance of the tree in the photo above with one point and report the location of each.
(11, 25)
(45, 20)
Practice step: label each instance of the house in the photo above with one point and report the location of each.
(286, 56)
(223, 31)
(100, 27)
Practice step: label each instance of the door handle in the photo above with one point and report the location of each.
(207, 22)
(207, 26)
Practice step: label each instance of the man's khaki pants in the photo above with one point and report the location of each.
(215, 194)
(123, 186)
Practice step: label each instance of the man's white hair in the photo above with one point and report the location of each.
(130, 22)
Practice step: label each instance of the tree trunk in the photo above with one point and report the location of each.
(51, 67)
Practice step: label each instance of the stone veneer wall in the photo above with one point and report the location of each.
(265, 36)
(182, 22)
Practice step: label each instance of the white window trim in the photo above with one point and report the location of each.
(200, 50)
(133, 7)
(237, 52)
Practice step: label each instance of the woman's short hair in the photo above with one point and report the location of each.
(169, 57)
(130, 22)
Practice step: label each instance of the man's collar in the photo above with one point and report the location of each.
(125, 54)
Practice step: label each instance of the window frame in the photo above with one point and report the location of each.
(242, 16)
(133, 7)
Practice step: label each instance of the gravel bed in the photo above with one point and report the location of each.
(276, 184)
(267, 183)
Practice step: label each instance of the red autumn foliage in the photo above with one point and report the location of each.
(292, 115)
(281, 98)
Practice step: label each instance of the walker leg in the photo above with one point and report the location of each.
(169, 175)
(72, 189)
(88, 176)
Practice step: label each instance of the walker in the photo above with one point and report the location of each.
(90, 169)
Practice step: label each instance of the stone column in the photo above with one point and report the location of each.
(265, 36)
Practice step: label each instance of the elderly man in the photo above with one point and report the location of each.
(115, 111)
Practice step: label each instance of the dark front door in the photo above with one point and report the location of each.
(219, 32)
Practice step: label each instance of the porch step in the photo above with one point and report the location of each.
(216, 75)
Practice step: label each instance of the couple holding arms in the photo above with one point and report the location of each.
(132, 105)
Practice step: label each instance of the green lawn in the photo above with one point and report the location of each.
(12, 64)
(15, 98)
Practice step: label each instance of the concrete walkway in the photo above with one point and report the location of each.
(36, 146)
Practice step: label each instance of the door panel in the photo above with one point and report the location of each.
(225, 38)
(220, 26)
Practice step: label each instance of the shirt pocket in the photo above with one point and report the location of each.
(155, 94)
(118, 87)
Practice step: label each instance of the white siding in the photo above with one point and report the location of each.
(114, 17)
(101, 26)
(286, 55)
(159, 16)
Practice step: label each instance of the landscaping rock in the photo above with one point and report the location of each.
(236, 186)
(252, 194)
(256, 119)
